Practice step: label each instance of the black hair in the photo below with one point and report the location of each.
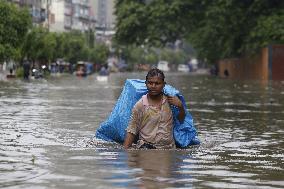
(155, 72)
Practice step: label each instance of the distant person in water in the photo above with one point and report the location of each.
(152, 119)
(104, 70)
(26, 67)
(11, 66)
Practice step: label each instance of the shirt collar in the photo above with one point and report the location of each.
(146, 102)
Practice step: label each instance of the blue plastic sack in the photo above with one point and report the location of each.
(113, 129)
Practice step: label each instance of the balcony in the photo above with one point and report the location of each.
(81, 2)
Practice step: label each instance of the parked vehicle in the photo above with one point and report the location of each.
(102, 78)
(163, 66)
(193, 65)
(39, 73)
(36, 74)
(183, 68)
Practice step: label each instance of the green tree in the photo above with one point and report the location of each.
(139, 22)
(137, 56)
(39, 45)
(30, 45)
(59, 48)
(99, 54)
(151, 57)
(90, 38)
(75, 47)
(47, 51)
(14, 24)
(216, 29)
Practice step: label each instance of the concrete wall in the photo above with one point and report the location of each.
(265, 65)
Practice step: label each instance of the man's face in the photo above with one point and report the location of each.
(155, 85)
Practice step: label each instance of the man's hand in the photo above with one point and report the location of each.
(174, 100)
(128, 140)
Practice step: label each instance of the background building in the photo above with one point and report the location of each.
(105, 18)
(66, 15)
(37, 9)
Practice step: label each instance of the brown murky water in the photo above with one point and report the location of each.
(47, 129)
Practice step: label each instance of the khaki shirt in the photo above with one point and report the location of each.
(154, 125)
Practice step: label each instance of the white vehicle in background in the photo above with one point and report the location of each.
(183, 68)
(102, 78)
(193, 65)
(163, 66)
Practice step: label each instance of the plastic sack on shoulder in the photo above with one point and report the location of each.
(113, 129)
(185, 133)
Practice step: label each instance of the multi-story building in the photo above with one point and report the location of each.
(66, 15)
(104, 13)
(105, 18)
(37, 9)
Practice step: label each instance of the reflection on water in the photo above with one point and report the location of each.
(155, 167)
(47, 129)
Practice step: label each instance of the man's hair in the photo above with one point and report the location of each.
(155, 72)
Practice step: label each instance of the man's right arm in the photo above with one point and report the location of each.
(132, 130)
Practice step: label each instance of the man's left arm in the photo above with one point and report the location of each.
(174, 100)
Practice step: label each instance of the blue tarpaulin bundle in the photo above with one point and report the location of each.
(113, 129)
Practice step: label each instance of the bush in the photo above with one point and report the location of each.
(20, 72)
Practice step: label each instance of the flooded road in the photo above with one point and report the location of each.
(47, 129)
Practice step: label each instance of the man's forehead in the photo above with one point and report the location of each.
(155, 78)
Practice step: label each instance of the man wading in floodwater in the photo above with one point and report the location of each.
(152, 118)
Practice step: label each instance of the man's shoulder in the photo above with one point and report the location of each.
(139, 104)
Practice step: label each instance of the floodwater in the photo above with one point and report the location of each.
(47, 129)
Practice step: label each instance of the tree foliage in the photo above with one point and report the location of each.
(19, 40)
(98, 54)
(39, 45)
(14, 24)
(216, 29)
(74, 47)
(45, 47)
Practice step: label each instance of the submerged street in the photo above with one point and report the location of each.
(48, 127)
